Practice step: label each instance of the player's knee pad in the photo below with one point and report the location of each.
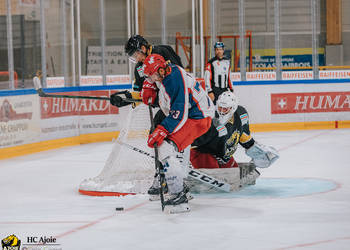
(184, 158)
(263, 156)
(167, 149)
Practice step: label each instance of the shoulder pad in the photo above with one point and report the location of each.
(241, 110)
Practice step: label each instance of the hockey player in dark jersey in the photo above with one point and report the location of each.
(217, 73)
(137, 48)
(232, 126)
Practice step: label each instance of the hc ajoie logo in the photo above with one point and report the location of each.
(11, 243)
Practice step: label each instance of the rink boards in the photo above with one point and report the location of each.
(31, 124)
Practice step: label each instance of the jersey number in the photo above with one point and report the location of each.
(175, 114)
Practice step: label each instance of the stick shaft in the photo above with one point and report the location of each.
(158, 165)
(76, 96)
(43, 94)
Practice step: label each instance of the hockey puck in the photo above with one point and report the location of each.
(119, 208)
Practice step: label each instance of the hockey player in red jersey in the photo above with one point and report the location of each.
(188, 114)
(232, 125)
(138, 48)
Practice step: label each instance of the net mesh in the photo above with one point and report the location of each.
(127, 171)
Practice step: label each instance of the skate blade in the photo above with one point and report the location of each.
(182, 208)
(154, 197)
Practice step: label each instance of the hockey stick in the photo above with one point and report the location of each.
(41, 93)
(158, 165)
(193, 173)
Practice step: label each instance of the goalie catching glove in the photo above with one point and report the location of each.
(157, 136)
(263, 156)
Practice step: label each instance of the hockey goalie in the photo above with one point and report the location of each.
(215, 155)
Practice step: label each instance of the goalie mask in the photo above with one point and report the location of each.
(226, 106)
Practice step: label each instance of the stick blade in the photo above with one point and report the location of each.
(37, 83)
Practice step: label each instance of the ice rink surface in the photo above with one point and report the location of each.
(300, 202)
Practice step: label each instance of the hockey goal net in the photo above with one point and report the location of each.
(126, 170)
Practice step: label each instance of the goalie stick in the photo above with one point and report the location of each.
(193, 173)
(41, 93)
(158, 165)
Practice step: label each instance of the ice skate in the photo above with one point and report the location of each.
(154, 190)
(177, 203)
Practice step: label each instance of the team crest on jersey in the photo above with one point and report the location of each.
(232, 143)
(234, 139)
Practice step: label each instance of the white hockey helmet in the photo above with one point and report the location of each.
(226, 105)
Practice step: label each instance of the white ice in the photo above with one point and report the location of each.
(300, 202)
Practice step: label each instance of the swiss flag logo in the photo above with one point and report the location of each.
(282, 103)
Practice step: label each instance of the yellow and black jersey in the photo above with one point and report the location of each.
(222, 141)
(238, 132)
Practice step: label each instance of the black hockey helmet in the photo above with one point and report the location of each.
(219, 45)
(134, 43)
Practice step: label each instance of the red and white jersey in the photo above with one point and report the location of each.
(181, 97)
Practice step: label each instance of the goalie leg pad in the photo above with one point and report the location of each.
(263, 156)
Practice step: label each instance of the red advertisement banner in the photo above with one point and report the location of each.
(59, 107)
(286, 103)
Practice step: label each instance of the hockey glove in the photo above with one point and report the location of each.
(117, 100)
(263, 156)
(157, 136)
(149, 92)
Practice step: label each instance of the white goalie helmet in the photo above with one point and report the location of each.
(226, 105)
